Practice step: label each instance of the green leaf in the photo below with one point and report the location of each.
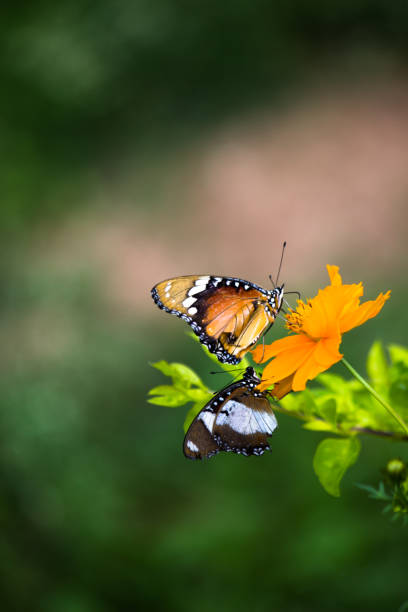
(191, 415)
(379, 494)
(327, 410)
(318, 425)
(167, 396)
(161, 390)
(331, 460)
(182, 375)
(302, 403)
(377, 368)
(199, 395)
(398, 354)
(332, 382)
(398, 393)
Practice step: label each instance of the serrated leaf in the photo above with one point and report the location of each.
(379, 494)
(331, 460)
(182, 375)
(377, 368)
(171, 397)
(398, 354)
(161, 390)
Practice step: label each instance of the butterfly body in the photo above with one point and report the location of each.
(227, 314)
(238, 419)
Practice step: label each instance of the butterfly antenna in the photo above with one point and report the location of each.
(287, 304)
(280, 263)
(239, 370)
(297, 293)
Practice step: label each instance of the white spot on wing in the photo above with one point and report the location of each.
(192, 310)
(189, 302)
(202, 280)
(196, 289)
(193, 447)
(208, 419)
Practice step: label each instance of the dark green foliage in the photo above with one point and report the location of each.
(81, 80)
(394, 491)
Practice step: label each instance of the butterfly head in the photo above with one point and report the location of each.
(250, 376)
(276, 298)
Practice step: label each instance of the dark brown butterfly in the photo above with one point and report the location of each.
(227, 314)
(238, 419)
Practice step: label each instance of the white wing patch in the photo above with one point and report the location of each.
(246, 421)
(189, 302)
(208, 419)
(193, 447)
(202, 280)
(196, 289)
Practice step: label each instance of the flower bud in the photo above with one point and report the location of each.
(396, 470)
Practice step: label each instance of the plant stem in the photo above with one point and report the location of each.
(374, 393)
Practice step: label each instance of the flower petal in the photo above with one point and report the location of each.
(327, 351)
(334, 275)
(322, 358)
(363, 312)
(279, 346)
(286, 363)
(283, 387)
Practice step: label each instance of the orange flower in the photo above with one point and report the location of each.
(318, 326)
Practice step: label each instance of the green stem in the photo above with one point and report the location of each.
(374, 393)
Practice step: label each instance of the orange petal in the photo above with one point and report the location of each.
(310, 369)
(363, 312)
(260, 354)
(323, 319)
(315, 323)
(334, 275)
(286, 363)
(322, 358)
(283, 387)
(284, 344)
(327, 351)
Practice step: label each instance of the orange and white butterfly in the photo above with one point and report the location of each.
(228, 314)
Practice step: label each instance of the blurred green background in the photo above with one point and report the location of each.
(145, 140)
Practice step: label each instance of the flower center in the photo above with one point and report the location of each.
(294, 318)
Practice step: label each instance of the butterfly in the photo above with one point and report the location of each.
(228, 314)
(238, 419)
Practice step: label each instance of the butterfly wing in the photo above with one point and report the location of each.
(238, 420)
(244, 423)
(227, 314)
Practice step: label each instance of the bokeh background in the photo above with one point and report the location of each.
(143, 140)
